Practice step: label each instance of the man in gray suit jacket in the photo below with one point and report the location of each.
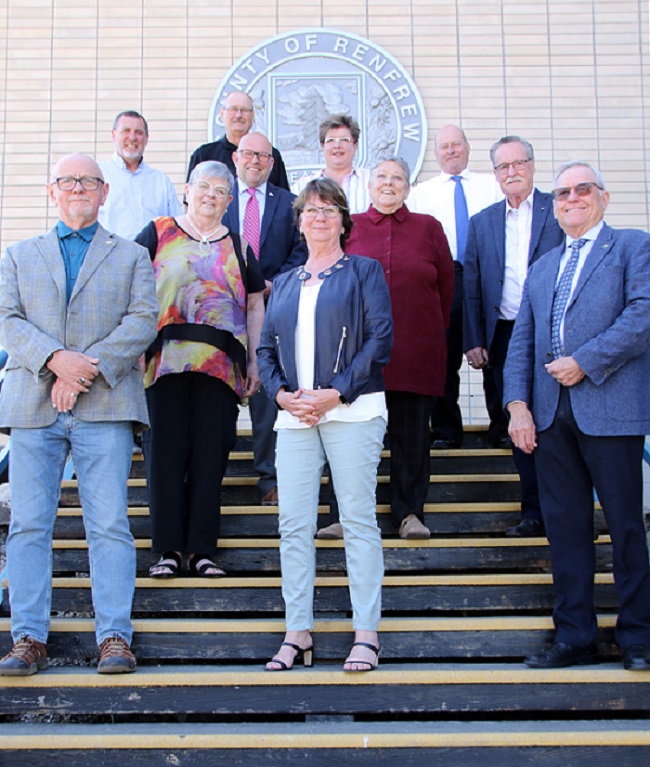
(576, 386)
(502, 241)
(77, 309)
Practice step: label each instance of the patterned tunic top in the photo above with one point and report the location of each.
(200, 289)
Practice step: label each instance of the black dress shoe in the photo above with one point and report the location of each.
(527, 528)
(636, 657)
(504, 442)
(560, 655)
(444, 444)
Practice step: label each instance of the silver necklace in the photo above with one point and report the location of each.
(204, 244)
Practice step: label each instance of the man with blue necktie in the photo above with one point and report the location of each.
(453, 197)
(576, 387)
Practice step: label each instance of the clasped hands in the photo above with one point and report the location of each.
(308, 405)
(74, 373)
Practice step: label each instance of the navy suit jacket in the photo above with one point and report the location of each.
(606, 331)
(281, 248)
(485, 264)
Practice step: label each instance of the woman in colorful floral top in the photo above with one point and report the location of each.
(211, 308)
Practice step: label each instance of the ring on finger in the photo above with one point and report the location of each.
(82, 380)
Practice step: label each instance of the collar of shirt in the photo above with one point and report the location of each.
(465, 173)
(243, 189)
(87, 233)
(376, 215)
(528, 202)
(119, 161)
(590, 235)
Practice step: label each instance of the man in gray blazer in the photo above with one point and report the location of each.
(77, 309)
(576, 386)
(502, 241)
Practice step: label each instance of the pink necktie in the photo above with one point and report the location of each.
(252, 222)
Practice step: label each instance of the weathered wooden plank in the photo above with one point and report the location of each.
(410, 599)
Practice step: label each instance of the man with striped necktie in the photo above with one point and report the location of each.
(263, 214)
(576, 387)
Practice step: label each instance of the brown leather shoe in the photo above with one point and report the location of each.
(115, 657)
(412, 529)
(25, 658)
(270, 497)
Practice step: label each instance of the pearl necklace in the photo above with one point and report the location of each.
(204, 244)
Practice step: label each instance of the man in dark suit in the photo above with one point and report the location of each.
(237, 115)
(263, 214)
(576, 386)
(502, 241)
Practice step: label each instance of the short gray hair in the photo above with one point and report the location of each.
(212, 168)
(398, 161)
(579, 164)
(512, 140)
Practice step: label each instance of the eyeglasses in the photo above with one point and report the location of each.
(234, 110)
(517, 165)
(68, 183)
(329, 211)
(248, 154)
(338, 140)
(205, 186)
(582, 190)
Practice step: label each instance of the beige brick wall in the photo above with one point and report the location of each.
(571, 77)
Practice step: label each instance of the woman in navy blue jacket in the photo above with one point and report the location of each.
(326, 337)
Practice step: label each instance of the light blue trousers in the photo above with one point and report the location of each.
(353, 451)
(102, 454)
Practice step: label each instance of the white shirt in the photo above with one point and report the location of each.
(355, 186)
(364, 408)
(519, 222)
(260, 193)
(436, 197)
(135, 199)
(590, 236)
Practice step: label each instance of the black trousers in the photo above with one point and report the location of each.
(446, 417)
(525, 463)
(570, 466)
(193, 429)
(410, 467)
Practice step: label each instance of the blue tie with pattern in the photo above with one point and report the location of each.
(462, 219)
(561, 297)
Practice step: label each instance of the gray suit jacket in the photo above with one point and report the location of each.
(112, 315)
(606, 330)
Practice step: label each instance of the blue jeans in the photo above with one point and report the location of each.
(353, 451)
(102, 457)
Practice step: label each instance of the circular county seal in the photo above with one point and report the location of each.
(299, 78)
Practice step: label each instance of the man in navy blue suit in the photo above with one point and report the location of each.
(576, 386)
(263, 214)
(502, 241)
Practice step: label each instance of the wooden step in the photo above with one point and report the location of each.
(463, 488)
(323, 744)
(413, 594)
(436, 555)
(232, 639)
(418, 690)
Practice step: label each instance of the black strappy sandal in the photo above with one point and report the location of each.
(306, 655)
(371, 666)
(199, 565)
(170, 564)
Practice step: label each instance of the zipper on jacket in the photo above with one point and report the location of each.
(277, 342)
(344, 333)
